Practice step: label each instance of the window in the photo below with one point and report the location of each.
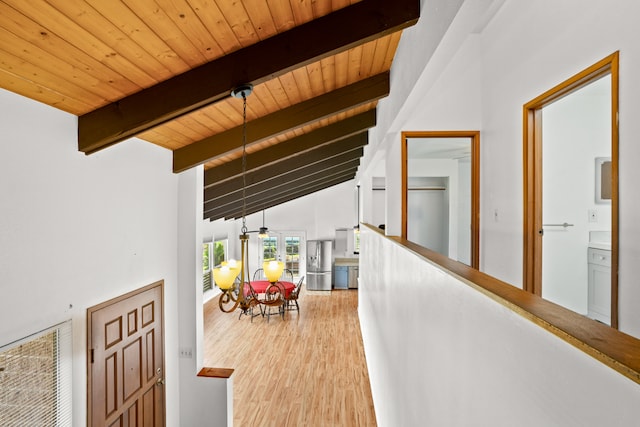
(219, 251)
(285, 246)
(35, 379)
(292, 251)
(206, 257)
(207, 282)
(269, 248)
(213, 254)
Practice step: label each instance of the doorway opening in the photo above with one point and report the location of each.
(285, 246)
(571, 193)
(440, 192)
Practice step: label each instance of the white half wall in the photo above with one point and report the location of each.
(440, 353)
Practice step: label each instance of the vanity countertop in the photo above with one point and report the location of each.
(600, 245)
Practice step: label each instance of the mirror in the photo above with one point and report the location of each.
(440, 192)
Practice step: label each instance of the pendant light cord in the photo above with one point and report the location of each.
(244, 162)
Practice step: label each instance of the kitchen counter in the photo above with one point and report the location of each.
(346, 262)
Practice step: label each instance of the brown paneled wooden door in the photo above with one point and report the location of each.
(126, 360)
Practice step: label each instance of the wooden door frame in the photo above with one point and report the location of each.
(475, 181)
(95, 308)
(532, 161)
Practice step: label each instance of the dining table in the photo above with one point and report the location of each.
(260, 286)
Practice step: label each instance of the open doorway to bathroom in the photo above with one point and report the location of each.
(571, 193)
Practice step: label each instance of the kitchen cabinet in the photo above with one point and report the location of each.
(353, 277)
(345, 273)
(341, 279)
(599, 299)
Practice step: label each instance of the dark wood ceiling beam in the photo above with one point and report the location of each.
(336, 32)
(320, 154)
(295, 193)
(281, 121)
(284, 150)
(290, 195)
(293, 178)
(260, 202)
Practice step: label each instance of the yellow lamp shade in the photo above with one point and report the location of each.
(232, 263)
(273, 270)
(225, 275)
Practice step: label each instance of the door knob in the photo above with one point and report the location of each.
(160, 381)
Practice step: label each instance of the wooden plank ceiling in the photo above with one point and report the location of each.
(163, 70)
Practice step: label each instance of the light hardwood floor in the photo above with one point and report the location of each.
(306, 370)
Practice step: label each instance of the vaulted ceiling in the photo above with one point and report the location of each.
(163, 71)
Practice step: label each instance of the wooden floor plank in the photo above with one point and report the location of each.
(306, 370)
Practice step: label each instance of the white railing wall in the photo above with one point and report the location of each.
(442, 353)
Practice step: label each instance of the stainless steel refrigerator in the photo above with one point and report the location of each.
(319, 262)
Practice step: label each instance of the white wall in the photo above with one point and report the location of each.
(77, 230)
(440, 353)
(203, 401)
(495, 57)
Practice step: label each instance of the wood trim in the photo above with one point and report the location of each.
(475, 181)
(475, 201)
(615, 196)
(351, 26)
(404, 182)
(528, 202)
(597, 70)
(215, 372)
(532, 181)
(611, 347)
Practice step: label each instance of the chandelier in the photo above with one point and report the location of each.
(232, 277)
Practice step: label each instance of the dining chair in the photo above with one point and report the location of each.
(250, 301)
(274, 298)
(259, 275)
(287, 275)
(292, 298)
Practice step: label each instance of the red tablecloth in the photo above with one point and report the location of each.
(260, 286)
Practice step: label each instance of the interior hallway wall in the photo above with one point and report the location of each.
(78, 230)
(495, 57)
